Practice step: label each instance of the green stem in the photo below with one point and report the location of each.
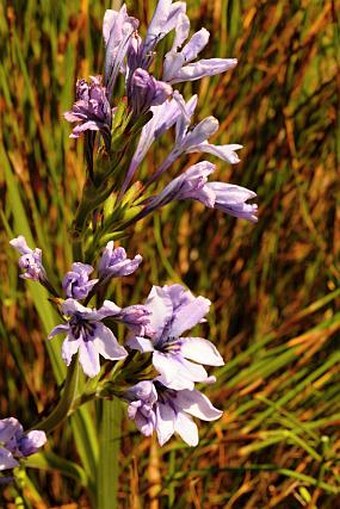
(109, 447)
(61, 410)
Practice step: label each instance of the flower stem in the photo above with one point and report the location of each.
(109, 447)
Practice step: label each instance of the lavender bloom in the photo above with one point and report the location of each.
(178, 65)
(86, 332)
(167, 411)
(15, 444)
(115, 263)
(118, 28)
(166, 17)
(92, 110)
(76, 283)
(224, 152)
(173, 311)
(142, 398)
(232, 199)
(134, 54)
(164, 117)
(145, 91)
(30, 260)
(191, 184)
(219, 195)
(195, 140)
(137, 318)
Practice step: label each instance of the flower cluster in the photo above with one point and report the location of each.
(118, 132)
(15, 444)
(130, 56)
(163, 404)
(167, 402)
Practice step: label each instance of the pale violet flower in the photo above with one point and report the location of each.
(118, 28)
(91, 110)
(136, 318)
(195, 139)
(225, 152)
(174, 310)
(142, 398)
(115, 263)
(193, 183)
(30, 260)
(163, 118)
(86, 332)
(145, 91)
(165, 19)
(155, 407)
(232, 199)
(76, 283)
(179, 66)
(15, 444)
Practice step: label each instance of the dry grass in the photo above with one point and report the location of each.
(274, 285)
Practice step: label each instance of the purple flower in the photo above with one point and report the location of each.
(86, 332)
(92, 110)
(115, 263)
(145, 91)
(175, 310)
(30, 260)
(193, 183)
(178, 65)
(164, 117)
(142, 398)
(118, 28)
(156, 407)
(166, 17)
(76, 283)
(232, 199)
(194, 139)
(137, 318)
(15, 444)
(225, 152)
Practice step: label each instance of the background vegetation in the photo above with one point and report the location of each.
(274, 285)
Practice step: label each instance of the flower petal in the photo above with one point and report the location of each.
(182, 31)
(8, 428)
(140, 343)
(59, 329)
(201, 350)
(69, 348)
(32, 441)
(172, 373)
(189, 316)
(71, 306)
(164, 20)
(201, 132)
(186, 429)
(107, 345)
(196, 44)
(108, 308)
(204, 67)
(160, 305)
(224, 152)
(89, 358)
(195, 403)
(230, 193)
(7, 460)
(165, 422)
(176, 372)
(20, 244)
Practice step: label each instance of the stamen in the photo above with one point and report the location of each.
(81, 327)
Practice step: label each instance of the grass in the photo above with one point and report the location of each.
(274, 285)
